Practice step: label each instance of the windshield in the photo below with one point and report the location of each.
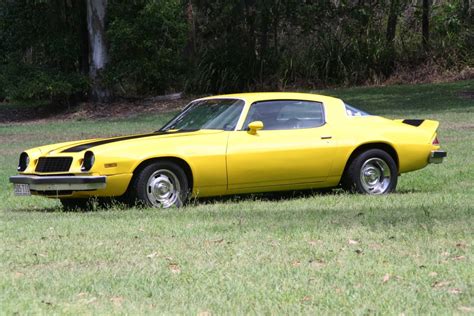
(220, 114)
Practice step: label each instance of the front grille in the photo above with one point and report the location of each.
(53, 164)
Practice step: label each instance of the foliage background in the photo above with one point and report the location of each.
(162, 46)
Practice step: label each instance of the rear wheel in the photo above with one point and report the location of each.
(371, 172)
(161, 184)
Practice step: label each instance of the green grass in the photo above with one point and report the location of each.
(409, 252)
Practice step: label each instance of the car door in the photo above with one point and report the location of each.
(295, 146)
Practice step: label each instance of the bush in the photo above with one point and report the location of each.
(41, 50)
(29, 82)
(146, 40)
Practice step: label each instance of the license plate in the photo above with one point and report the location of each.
(22, 189)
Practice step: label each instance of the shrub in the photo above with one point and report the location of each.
(146, 40)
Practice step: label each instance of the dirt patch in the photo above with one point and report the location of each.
(429, 72)
(118, 109)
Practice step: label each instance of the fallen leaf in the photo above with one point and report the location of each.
(459, 258)
(82, 294)
(117, 300)
(216, 241)
(174, 268)
(467, 309)
(375, 246)
(306, 299)
(353, 242)
(445, 254)
(455, 291)
(18, 274)
(433, 274)
(169, 258)
(314, 242)
(317, 263)
(152, 255)
(439, 284)
(295, 263)
(92, 300)
(386, 277)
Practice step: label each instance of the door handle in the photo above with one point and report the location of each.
(326, 137)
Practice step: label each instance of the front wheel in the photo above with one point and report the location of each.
(161, 184)
(372, 172)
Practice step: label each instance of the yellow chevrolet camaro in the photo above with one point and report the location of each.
(230, 144)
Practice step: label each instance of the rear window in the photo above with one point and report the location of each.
(352, 111)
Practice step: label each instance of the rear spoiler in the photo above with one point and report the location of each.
(413, 122)
(428, 125)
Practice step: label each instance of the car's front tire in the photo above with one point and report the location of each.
(372, 172)
(161, 184)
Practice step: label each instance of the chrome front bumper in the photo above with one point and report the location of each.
(61, 183)
(437, 156)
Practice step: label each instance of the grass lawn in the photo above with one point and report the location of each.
(409, 252)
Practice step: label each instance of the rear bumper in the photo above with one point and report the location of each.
(437, 156)
(61, 183)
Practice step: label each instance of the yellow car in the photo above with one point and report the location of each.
(230, 144)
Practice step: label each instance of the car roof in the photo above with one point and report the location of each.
(266, 96)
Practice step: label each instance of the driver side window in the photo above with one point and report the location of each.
(286, 114)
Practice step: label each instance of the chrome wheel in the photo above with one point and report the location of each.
(163, 189)
(375, 176)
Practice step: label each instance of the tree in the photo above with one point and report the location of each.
(96, 13)
(425, 25)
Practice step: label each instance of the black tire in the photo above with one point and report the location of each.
(374, 162)
(77, 205)
(139, 191)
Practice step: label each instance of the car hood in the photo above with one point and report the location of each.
(104, 144)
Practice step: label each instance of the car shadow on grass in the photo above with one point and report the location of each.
(281, 196)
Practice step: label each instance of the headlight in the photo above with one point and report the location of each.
(23, 162)
(88, 161)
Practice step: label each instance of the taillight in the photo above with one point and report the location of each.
(435, 141)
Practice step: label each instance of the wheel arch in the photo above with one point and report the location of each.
(179, 161)
(388, 148)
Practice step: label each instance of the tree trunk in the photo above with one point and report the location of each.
(81, 7)
(96, 10)
(425, 25)
(390, 35)
(467, 11)
(392, 22)
(190, 48)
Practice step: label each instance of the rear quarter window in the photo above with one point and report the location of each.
(352, 111)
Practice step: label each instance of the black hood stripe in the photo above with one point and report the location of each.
(82, 147)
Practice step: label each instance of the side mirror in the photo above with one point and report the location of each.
(254, 127)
